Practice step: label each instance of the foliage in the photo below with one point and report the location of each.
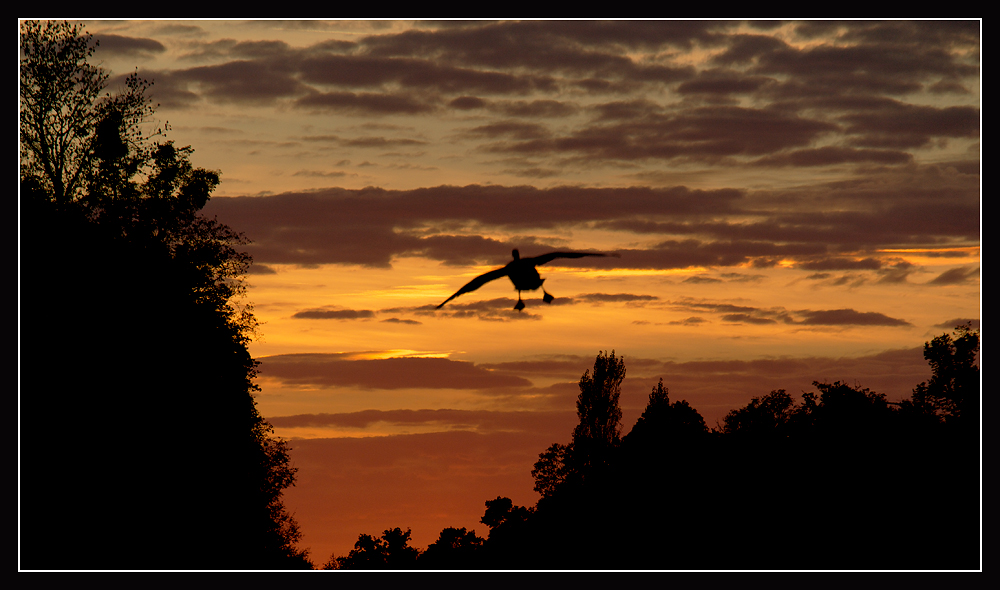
(663, 422)
(72, 139)
(597, 405)
(552, 469)
(58, 90)
(844, 409)
(767, 416)
(159, 291)
(596, 436)
(599, 430)
(390, 551)
(454, 549)
(953, 389)
(502, 511)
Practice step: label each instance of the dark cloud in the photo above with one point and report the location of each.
(367, 226)
(841, 264)
(566, 366)
(690, 253)
(499, 309)
(324, 370)
(952, 324)
(402, 321)
(827, 156)
(168, 90)
(690, 304)
(723, 82)
(381, 142)
(702, 279)
(136, 47)
(697, 133)
(535, 108)
(378, 71)
(736, 277)
(334, 314)
(928, 34)
(754, 315)
(899, 125)
(897, 273)
(512, 129)
(575, 47)
(954, 276)
(626, 109)
(365, 102)
(841, 317)
(691, 321)
(261, 269)
(371, 226)
(744, 49)
(243, 81)
(745, 318)
(321, 173)
(883, 65)
(466, 103)
(374, 142)
(615, 297)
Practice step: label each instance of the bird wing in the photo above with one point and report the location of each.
(539, 260)
(478, 282)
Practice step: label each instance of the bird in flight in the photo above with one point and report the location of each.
(521, 272)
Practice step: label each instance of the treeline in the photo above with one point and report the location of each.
(841, 479)
(141, 446)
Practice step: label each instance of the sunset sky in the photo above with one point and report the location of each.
(791, 201)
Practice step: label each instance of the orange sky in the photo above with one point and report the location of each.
(791, 201)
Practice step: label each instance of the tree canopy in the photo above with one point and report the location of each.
(952, 393)
(390, 551)
(597, 407)
(144, 448)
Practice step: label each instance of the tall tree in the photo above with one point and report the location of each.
(142, 444)
(67, 127)
(599, 430)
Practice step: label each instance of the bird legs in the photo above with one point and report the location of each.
(547, 298)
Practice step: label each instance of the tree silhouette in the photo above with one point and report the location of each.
(769, 416)
(71, 136)
(390, 551)
(453, 549)
(552, 469)
(664, 423)
(952, 393)
(137, 310)
(511, 542)
(599, 430)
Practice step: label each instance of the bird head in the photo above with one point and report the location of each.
(515, 254)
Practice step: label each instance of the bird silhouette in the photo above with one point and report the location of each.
(521, 272)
